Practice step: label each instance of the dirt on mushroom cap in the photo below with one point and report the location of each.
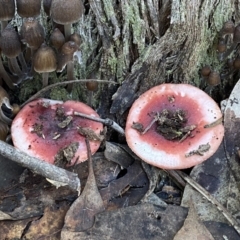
(42, 131)
(153, 148)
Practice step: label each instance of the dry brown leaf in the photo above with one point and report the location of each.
(193, 228)
(80, 216)
(49, 225)
(118, 187)
(143, 221)
(14, 229)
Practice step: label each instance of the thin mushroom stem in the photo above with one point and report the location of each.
(67, 30)
(23, 62)
(90, 97)
(5, 76)
(15, 66)
(70, 75)
(70, 65)
(45, 79)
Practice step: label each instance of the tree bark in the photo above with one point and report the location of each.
(143, 43)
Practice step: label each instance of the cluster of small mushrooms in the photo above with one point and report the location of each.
(27, 49)
(228, 39)
(171, 126)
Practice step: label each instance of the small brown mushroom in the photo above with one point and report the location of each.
(28, 8)
(7, 79)
(57, 39)
(11, 47)
(228, 28)
(91, 87)
(7, 11)
(32, 33)
(65, 56)
(75, 37)
(4, 101)
(205, 71)
(45, 61)
(214, 78)
(236, 63)
(65, 13)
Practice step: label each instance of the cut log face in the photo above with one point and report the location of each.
(174, 126)
(48, 129)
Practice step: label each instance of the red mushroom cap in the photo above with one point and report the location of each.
(36, 130)
(198, 144)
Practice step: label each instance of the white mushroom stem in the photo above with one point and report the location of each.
(23, 62)
(45, 79)
(90, 97)
(67, 30)
(15, 66)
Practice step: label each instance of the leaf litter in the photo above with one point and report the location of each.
(115, 193)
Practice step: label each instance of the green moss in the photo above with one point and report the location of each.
(29, 87)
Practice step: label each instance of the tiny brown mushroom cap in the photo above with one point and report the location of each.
(7, 9)
(75, 37)
(236, 35)
(10, 42)
(92, 85)
(236, 63)
(65, 54)
(214, 78)
(45, 59)
(32, 33)
(66, 12)
(205, 71)
(221, 47)
(156, 150)
(50, 139)
(28, 8)
(57, 38)
(228, 27)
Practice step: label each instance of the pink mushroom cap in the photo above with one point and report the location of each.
(53, 138)
(156, 150)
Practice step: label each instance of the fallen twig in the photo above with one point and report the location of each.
(211, 199)
(107, 122)
(42, 91)
(40, 167)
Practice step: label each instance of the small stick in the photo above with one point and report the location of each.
(177, 179)
(211, 199)
(150, 125)
(108, 122)
(40, 167)
(42, 91)
(215, 123)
